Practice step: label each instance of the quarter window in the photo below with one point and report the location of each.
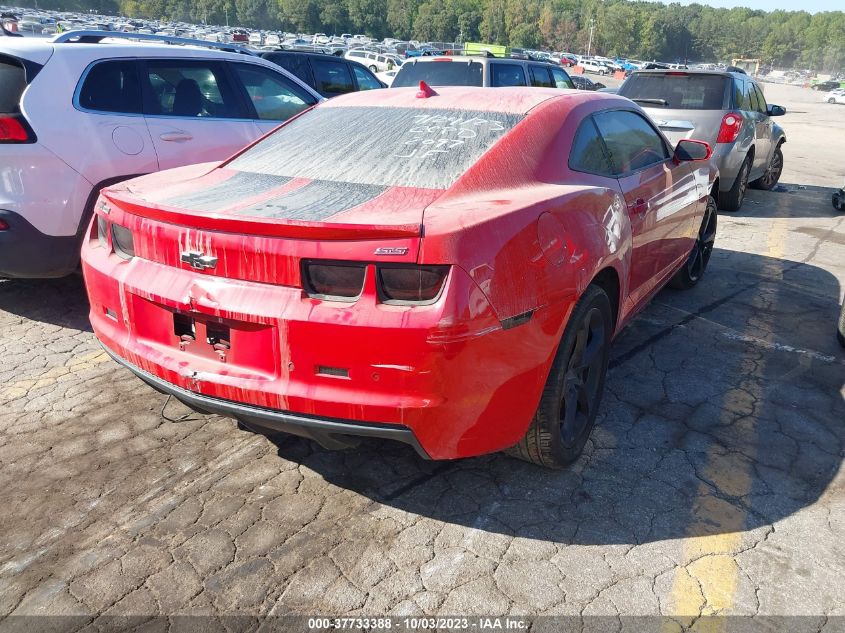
(588, 151)
(191, 89)
(112, 86)
(631, 141)
(366, 81)
(507, 75)
(274, 96)
(561, 79)
(332, 77)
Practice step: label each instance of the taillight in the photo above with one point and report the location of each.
(731, 126)
(122, 242)
(411, 284)
(12, 130)
(339, 281)
(4, 226)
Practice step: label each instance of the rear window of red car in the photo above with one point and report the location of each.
(393, 147)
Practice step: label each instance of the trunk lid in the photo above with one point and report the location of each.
(257, 227)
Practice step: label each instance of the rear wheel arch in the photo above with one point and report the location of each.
(608, 280)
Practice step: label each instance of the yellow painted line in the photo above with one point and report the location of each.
(21, 388)
(707, 585)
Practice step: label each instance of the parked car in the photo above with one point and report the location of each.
(80, 115)
(585, 83)
(839, 199)
(825, 86)
(835, 96)
(327, 74)
(480, 71)
(594, 66)
(493, 285)
(376, 62)
(387, 77)
(725, 108)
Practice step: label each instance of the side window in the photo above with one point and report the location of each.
(745, 102)
(274, 96)
(761, 100)
(332, 77)
(540, 77)
(365, 78)
(294, 63)
(631, 141)
(752, 96)
(112, 86)
(561, 79)
(507, 75)
(191, 89)
(588, 153)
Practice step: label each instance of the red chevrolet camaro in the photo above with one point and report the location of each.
(444, 268)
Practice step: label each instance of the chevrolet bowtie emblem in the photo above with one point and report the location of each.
(198, 260)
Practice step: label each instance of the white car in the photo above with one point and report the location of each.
(835, 96)
(388, 76)
(376, 62)
(78, 116)
(593, 66)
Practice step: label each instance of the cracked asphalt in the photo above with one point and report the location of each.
(713, 483)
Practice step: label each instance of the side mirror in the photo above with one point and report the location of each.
(688, 150)
(776, 110)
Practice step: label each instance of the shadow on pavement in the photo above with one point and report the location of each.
(787, 200)
(722, 413)
(60, 302)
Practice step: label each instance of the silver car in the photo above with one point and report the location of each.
(725, 108)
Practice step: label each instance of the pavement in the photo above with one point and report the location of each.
(712, 485)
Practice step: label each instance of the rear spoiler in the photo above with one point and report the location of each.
(296, 229)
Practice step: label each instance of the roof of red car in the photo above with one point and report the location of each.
(507, 100)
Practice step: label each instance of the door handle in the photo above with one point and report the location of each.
(639, 207)
(177, 137)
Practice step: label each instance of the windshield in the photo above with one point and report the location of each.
(395, 147)
(677, 91)
(439, 73)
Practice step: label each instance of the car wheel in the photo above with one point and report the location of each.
(693, 270)
(373, 68)
(767, 181)
(831, 100)
(573, 390)
(732, 200)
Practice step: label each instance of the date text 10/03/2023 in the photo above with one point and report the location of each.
(419, 623)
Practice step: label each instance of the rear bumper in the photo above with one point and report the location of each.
(446, 378)
(27, 252)
(327, 432)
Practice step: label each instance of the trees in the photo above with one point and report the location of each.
(640, 29)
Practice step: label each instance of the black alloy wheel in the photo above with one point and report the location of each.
(702, 249)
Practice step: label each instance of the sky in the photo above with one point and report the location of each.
(811, 6)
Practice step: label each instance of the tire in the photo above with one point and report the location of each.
(831, 100)
(572, 394)
(767, 181)
(373, 68)
(693, 269)
(732, 200)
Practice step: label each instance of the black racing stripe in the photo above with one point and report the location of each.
(315, 201)
(223, 195)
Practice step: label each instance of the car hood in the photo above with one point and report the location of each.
(214, 198)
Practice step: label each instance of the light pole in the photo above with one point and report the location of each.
(590, 40)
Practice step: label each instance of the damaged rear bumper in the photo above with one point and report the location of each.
(329, 433)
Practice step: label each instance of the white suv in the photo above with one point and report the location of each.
(88, 109)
